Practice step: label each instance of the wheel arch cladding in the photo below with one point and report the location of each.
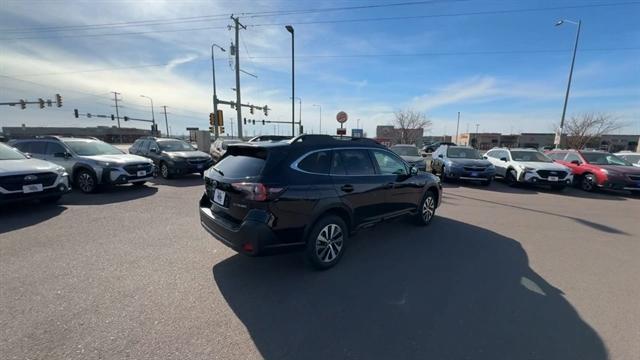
(338, 211)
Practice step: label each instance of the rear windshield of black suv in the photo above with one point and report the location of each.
(242, 163)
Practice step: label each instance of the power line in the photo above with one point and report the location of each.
(391, 18)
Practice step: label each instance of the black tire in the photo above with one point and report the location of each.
(164, 171)
(86, 181)
(486, 182)
(51, 199)
(511, 178)
(139, 184)
(426, 209)
(334, 228)
(588, 182)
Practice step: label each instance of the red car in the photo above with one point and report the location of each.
(598, 169)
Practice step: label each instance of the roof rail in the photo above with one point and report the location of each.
(319, 138)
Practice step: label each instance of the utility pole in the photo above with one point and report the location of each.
(215, 96)
(166, 122)
(115, 98)
(457, 126)
(293, 82)
(238, 25)
(558, 141)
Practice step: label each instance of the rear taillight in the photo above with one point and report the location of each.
(258, 191)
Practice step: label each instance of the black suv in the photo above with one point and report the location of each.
(172, 156)
(311, 192)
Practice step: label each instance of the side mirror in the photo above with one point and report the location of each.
(440, 156)
(153, 150)
(423, 155)
(28, 155)
(485, 157)
(503, 159)
(413, 170)
(576, 162)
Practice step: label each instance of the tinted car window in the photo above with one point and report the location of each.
(604, 159)
(337, 168)
(533, 156)
(136, 146)
(55, 148)
(557, 155)
(389, 165)
(317, 162)
(38, 147)
(240, 166)
(357, 162)
(23, 146)
(463, 153)
(573, 157)
(493, 154)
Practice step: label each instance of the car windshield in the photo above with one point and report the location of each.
(597, 158)
(632, 158)
(175, 145)
(530, 156)
(405, 150)
(8, 153)
(92, 147)
(463, 153)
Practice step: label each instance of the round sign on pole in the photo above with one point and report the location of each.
(342, 117)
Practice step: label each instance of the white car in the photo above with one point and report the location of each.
(23, 178)
(632, 157)
(528, 166)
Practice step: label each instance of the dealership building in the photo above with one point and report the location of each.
(110, 134)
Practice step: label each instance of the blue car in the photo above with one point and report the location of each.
(461, 163)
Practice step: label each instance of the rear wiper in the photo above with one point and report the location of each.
(218, 171)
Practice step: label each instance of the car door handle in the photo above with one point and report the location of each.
(347, 188)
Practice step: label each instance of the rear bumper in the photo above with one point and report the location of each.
(253, 236)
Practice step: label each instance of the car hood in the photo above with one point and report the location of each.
(471, 162)
(188, 154)
(631, 170)
(544, 166)
(411, 159)
(8, 167)
(119, 159)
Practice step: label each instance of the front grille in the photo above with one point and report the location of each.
(16, 182)
(134, 168)
(634, 177)
(546, 173)
(474, 168)
(197, 161)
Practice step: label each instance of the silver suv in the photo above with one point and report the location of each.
(90, 162)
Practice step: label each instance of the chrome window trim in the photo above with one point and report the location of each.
(294, 164)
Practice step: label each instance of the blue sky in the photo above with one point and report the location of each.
(506, 71)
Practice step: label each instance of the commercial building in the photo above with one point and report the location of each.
(105, 133)
(389, 135)
(485, 141)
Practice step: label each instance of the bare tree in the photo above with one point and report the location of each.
(411, 125)
(584, 128)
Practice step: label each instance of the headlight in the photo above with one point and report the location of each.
(604, 171)
(61, 171)
(491, 167)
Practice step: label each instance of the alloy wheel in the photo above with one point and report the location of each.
(428, 208)
(329, 243)
(85, 182)
(587, 182)
(164, 170)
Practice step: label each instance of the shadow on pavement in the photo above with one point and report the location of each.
(180, 181)
(109, 195)
(20, 215)
(449, 291)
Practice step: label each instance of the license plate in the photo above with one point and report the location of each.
(199, 166)
(142, 173)
(31, 188)
(552, 178)
(218, 196)
(474, 174)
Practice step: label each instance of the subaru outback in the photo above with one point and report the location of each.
(311, 193)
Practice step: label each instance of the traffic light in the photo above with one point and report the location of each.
(89, 115)
(262, 121)
(75, 113)
(251, 109)
(49, 103)
(212, 129)
(212, 120)
(41, 103)
(245, 121)
(266, 110)
(112, 117)
(126, 118)
(301, 129)
(58, 100)
(253, 121)
(221, 128)
(220, 118)
(233, 105)
(23, 104)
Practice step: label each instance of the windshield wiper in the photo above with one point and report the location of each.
(218, 171)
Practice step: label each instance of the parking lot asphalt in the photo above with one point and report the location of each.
(502, 273)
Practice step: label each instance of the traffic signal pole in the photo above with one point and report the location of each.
(115, 98)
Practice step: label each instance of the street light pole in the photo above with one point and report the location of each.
(558, 141)
(320, 106)
(293, 83)
(153, 116)
(215, 96)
